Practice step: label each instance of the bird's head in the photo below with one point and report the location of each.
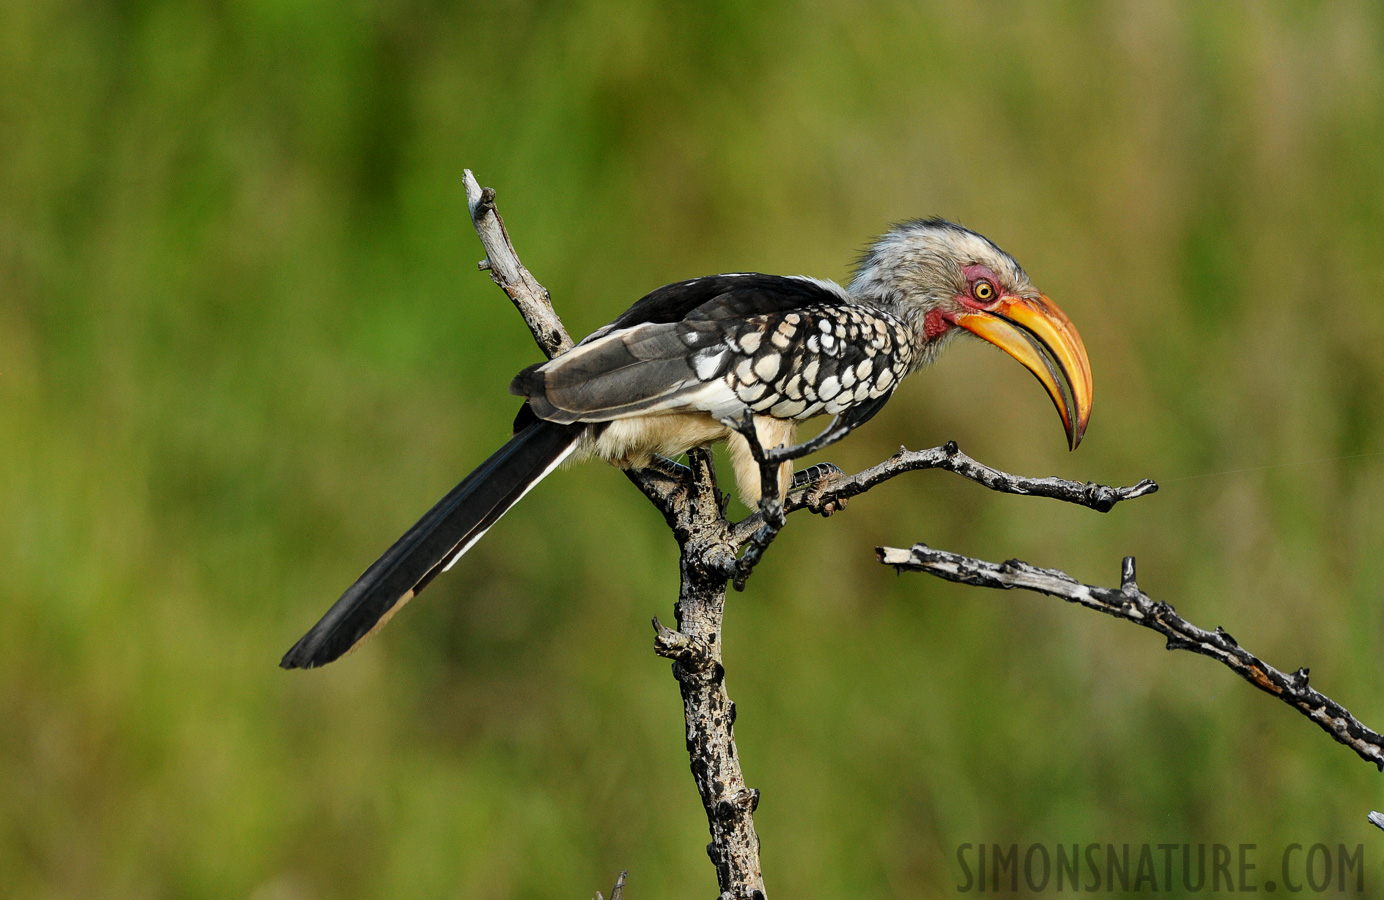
(946, 280)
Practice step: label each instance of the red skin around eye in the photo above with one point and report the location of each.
(937, 323)
(974, 274)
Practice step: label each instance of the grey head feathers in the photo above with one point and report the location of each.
(919, 265)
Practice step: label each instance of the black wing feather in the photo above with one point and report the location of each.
(725, 297)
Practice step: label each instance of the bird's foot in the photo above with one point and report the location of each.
(814, 474)
(812, 483)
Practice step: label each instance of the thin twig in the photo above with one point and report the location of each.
(1100, 497)
(948, 457)
(617, 892)
(1131, 604)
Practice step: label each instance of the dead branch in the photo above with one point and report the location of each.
(1133, 605)
(617, 892)
(502, 262)
(694, 511)
(832, 494)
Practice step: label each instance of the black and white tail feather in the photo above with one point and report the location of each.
(437, 541)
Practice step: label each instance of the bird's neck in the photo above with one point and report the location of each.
(927, 338)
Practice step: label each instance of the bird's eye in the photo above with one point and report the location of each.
(983, 291)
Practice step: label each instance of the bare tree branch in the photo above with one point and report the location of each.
(694, 510)
(530, 297)
(1131, 604)
(1100, 497)
(832, 494)
(695, 648)
(617, 892)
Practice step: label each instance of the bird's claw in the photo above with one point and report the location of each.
(814, 482)
(814, 474)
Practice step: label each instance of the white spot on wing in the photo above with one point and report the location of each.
(787, 409)
(767, 366)
(707, 365)
(752, 392)
(714, 397)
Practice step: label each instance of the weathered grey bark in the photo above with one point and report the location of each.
(707, 550)
(1133, 605)
(529, 297)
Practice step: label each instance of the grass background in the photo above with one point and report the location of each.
(243, 345)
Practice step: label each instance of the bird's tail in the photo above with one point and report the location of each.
(436, 542)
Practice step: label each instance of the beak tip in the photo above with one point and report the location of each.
(1075, 434)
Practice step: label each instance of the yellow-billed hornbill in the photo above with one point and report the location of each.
(695, 362)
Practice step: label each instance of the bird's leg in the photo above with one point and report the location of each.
(770, 503)
(810, 484)
(834, 432)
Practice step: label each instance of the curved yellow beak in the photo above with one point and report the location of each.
(1039, 335)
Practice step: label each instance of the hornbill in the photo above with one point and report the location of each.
(704, 360)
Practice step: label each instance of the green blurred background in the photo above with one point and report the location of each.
(243, 344)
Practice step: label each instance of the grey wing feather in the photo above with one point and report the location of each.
(640, 369)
